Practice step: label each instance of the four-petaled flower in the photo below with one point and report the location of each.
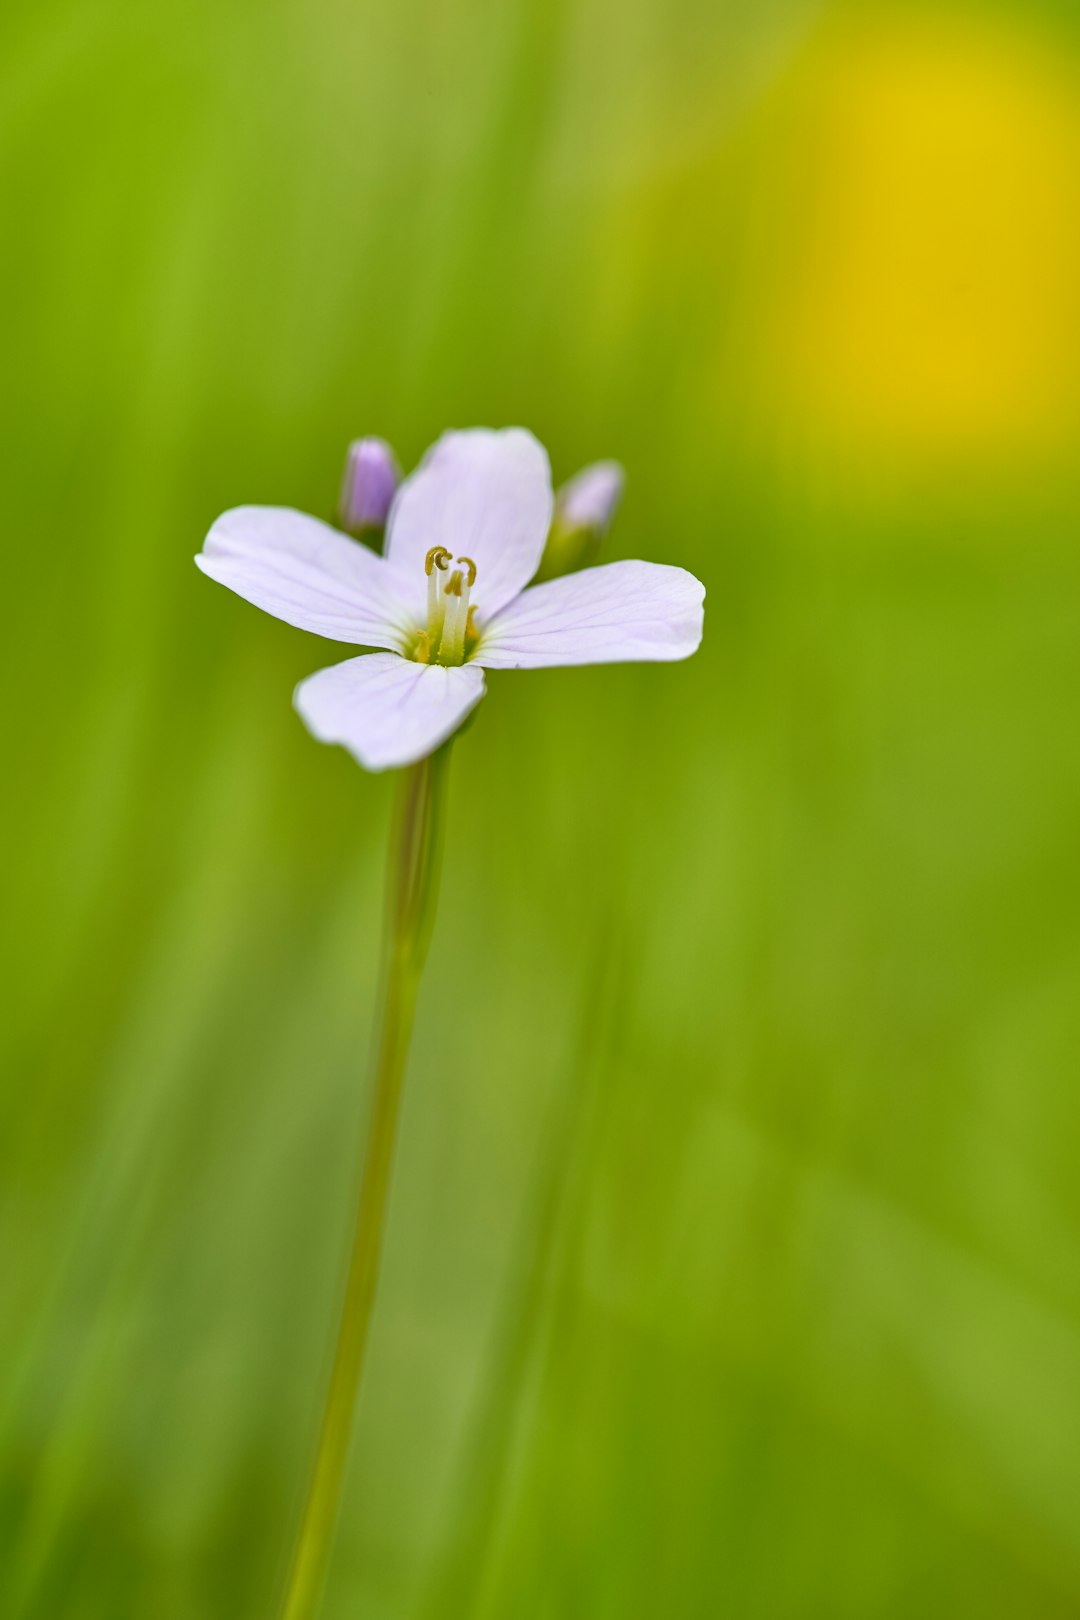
(448, 599)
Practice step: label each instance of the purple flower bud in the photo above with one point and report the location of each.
(590, 498)
(371, 477)
(584, 508)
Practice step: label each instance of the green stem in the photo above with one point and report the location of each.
(415, 849)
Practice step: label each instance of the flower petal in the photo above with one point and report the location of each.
(622, 612)
(305, 572)
(388, 710)
(481, 494)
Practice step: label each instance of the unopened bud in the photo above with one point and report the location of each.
(584, 508)
(590, 499)
(371, 478)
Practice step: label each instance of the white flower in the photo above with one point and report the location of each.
(448, 600)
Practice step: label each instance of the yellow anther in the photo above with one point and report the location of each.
(471, 566)
(437, 557)
(454, 583)
(422, 650)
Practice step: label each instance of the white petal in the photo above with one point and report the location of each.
(622, 612)
(388, 710)
(481, 494)
(305, 572)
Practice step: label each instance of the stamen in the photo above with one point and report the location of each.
(438, 559)
(450, 632)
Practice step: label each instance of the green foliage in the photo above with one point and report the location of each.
(732, 1254)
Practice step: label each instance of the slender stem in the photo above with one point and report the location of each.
(415, 850)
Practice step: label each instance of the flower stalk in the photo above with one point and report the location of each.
(415, 859)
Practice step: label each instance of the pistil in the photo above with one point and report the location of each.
(452, 646)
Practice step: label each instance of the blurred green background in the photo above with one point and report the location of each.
(733, 1264)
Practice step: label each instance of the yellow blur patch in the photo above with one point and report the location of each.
(921, 290)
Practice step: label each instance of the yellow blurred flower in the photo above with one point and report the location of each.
(917, 264)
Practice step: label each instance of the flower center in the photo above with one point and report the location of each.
(450, 635)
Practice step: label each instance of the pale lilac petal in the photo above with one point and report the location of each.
(622, 612)
(305, 572)
(386, 710)
(481, 494)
